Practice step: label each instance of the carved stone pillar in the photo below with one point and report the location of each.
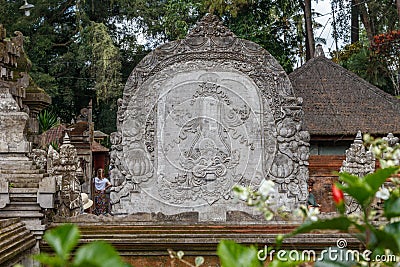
(12, 125)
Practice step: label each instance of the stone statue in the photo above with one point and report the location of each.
(360, 162)
(65, 167)
(200, 115)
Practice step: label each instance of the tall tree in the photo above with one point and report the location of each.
(398, 8)
(309, 30)
(355, 23)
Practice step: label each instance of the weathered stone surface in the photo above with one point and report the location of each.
(46, 192)
(4, 196)
(17, 243)
(12, 124)
(200, 115)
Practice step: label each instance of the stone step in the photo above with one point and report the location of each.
(5, 223)
(17, 166)
(21, 176)
(27, 171)
(20, 214)
(22, 206)
(28, 191)
(26, 184)
(16, 197)
(11, 230)
(15, 240)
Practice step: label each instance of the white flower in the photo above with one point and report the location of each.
(299, 213)
(312, 214)
(377, 151)
(241, 192)
(266, 188)
(383, 193)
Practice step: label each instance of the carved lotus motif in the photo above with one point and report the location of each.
(139, 164)
(282, 166)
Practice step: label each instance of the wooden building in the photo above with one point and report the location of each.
(336, 104)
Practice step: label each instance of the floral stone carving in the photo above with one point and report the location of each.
(200, 115)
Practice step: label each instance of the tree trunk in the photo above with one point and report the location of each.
(398, 8)
(365, 19)
(309, 29)
(355, 27)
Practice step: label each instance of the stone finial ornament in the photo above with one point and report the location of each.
(319, 51)
(391, 140)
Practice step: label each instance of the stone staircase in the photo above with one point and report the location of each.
(23, 180)
(17, 243)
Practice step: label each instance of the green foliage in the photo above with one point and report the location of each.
(367, 65)
(102, 61)
(392, 204)
(47, 120)
(364, 189)
(222, 7)
(64, 239)
(232, 254)
(379, 239)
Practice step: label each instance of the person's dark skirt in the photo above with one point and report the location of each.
(100, 202)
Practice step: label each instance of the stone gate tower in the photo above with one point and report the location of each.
(200, 115)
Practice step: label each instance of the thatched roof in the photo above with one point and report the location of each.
(338, 102)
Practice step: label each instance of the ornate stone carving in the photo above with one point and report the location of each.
(65, 168)
(39, 158)
(360, 162)
(201, 114)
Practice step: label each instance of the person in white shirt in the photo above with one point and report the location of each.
(101, 202)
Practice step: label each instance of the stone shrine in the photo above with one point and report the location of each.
(360, 162)
(200, 115)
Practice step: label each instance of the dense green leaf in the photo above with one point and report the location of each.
(364, 189)
(47, 119)
(48, 260)
(63, 239)
(377, 178)
(392, 230)
(98, 254)
(232, 254)
(392, 205)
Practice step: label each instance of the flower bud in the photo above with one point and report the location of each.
(338, 196)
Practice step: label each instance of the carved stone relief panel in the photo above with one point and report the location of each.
(200, 115)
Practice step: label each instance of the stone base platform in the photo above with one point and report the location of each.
(146, 243)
